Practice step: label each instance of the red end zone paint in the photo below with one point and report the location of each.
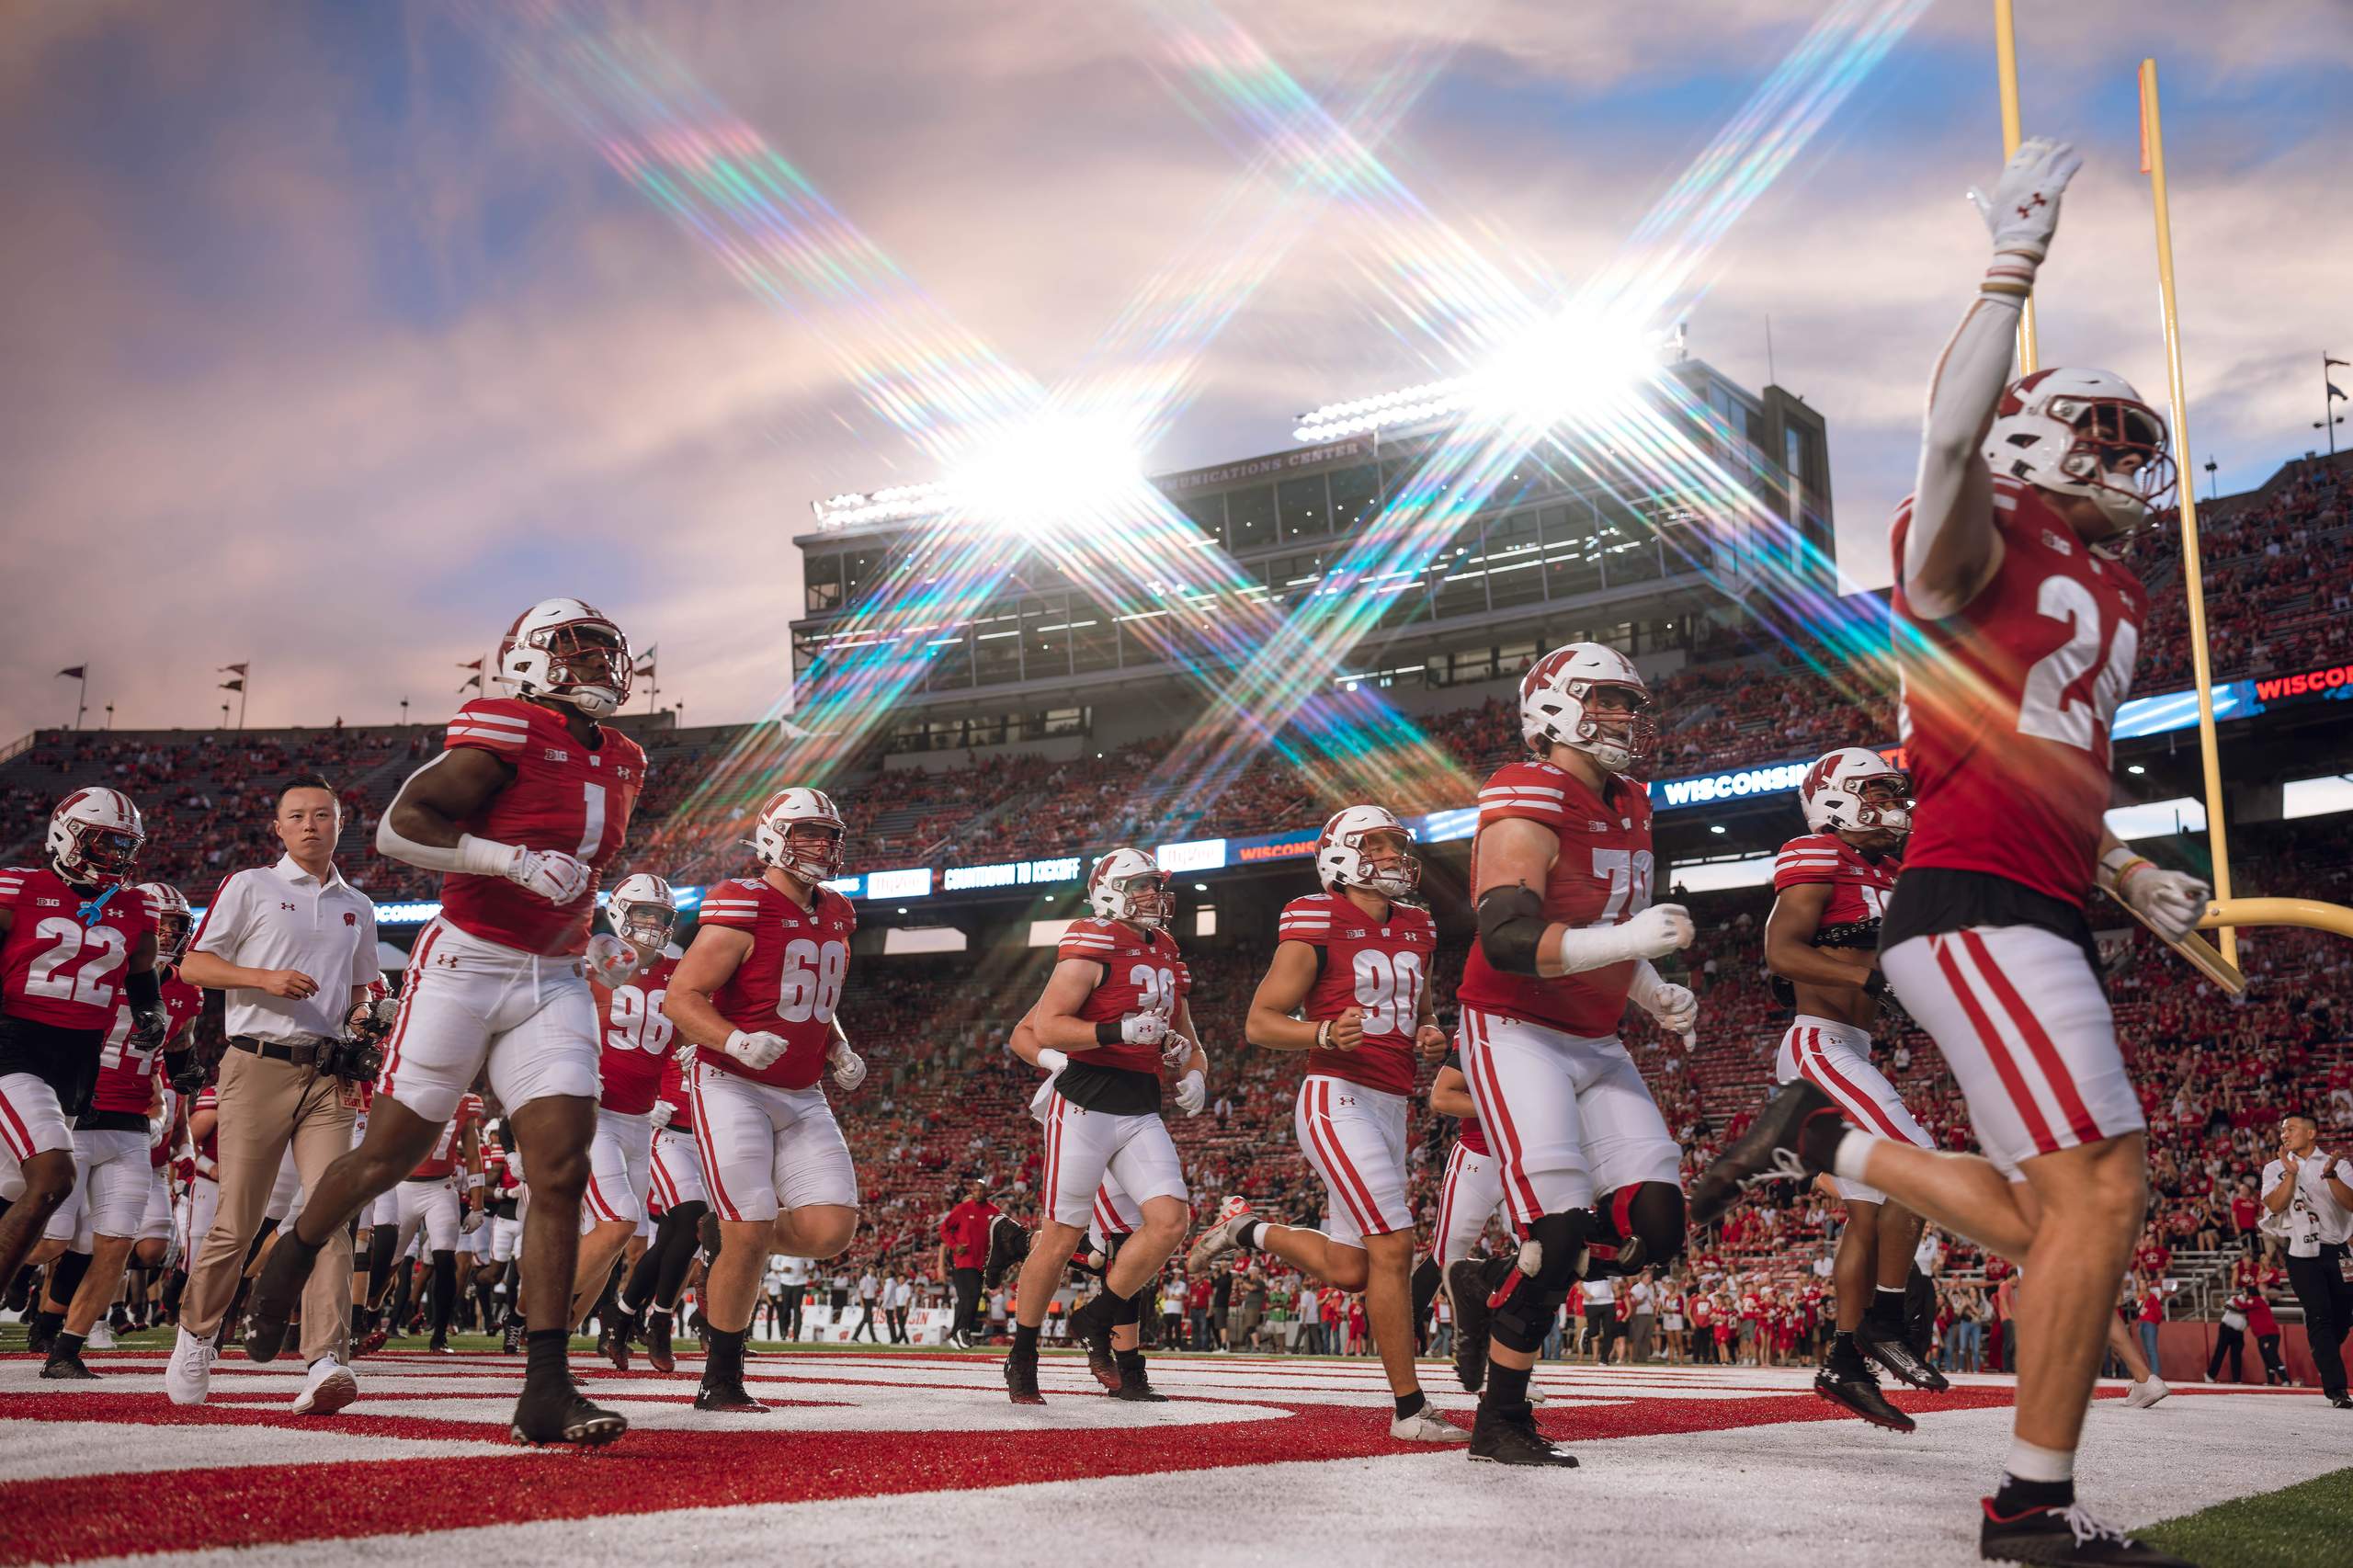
(78, 1518)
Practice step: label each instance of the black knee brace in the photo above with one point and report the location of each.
(1551, 1259)
(1637, 1227)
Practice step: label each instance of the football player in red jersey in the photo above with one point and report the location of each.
(114, 1142)
(522, 813)
(676, 1193)
(1353, 961)
(2017, 628)
(1820, 943)
(637, 1036)
(755, 997)
(76, 935)
(1113, 1015)
(1561, 873)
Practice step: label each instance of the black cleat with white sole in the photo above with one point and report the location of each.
(557, 1412)
(727, 1396)
(2065, 1537)
(1852, 1386)
(1793, 1138)
(1501, 1438)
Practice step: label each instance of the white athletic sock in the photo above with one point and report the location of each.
(2027, 1463)
(1855, 1148)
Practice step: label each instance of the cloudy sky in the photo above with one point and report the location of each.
(335, 334)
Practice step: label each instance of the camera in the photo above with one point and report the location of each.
(358, 1056)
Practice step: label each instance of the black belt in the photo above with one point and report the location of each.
(305, 1055)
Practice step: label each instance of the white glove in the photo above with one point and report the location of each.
(1661, 928)
(1143, 1029)
(1673, 1006)
(1053, 1061)
(683, 1053)
(1192, 1094)
(850, 1067)
(550, 873)
(757, 1051)
(2172, 901)
(1176, 1050)
(2023, 211)
(662, 1113)
(611, 961)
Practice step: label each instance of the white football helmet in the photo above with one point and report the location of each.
(1128, 884)
(1342, 860)
(94, 836)
(1838, 793)
(567, 651)
(174, 922)
(1552, 697)
(642, 910)
(2085, 433)
(788, 833)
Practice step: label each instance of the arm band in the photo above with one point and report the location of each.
(143, 989)
(475, 856)
(1511, 928)
(1108, 1032)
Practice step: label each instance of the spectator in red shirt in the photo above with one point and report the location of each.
(963, 1251)
(2265, 1328)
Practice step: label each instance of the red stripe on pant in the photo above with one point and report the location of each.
(597, 1200)
(21, 1137)
(1054, 1157)
(1813, 1062)
(408, 994)
(1341, 1176)
(708, 1155)
(2007, 1069)
(664, 1187)
(2055, 1071)
(1519, 1193)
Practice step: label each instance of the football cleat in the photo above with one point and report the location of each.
(1091, 1322)
(1220, 1237)
(1468, 1287)
(438, 1344)
(1427, 1425)
(1136, 1387)
(367, 1344)
(612, 1344)
(277, 1291)
(729, 1397)
(1499, 1439)
(1021, 1382)
(1853, 1387)
(67, 1368)
(657, 1343)
(1008, 1246)
(39, 1341)
(511, 1341)
(1891, 1350)
(2066, 1536)
(1791, 1139)
(557, 1412)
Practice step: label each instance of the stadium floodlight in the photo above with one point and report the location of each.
(1573, 366)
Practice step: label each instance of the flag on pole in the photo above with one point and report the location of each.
(475, 683)
(233, 685)
(79, 672)
(476, 666)
(230, 670)
(645, 660)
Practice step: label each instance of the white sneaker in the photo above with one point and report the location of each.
(1425, 1426)
(2143, 1395)
(189, 1372)
(101, 1337)
(328, 1389)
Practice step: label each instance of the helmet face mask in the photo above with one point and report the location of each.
(1128, 884)
(1616, 729)
(174, 923)
(802, 835)
(644, 912)
(2085, 432)
(1854, 791)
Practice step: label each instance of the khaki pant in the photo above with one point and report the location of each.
(263, 1103)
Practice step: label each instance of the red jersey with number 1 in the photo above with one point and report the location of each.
(443, 1157)
(57, 967)
(633, 1040)
(1382, 966)
(126, 1077)
(789, 983)
(565, 795)
(2007, 704)
(1860, 885)
(1602, 877)
(1141, 973)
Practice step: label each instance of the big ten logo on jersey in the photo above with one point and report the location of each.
(79, 963)
(1389, 987)
(634, 1020)
(809, 987)
(1627, 872)
(2055, 706)
(1155, 988)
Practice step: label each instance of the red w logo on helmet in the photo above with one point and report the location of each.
(1818, 777)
